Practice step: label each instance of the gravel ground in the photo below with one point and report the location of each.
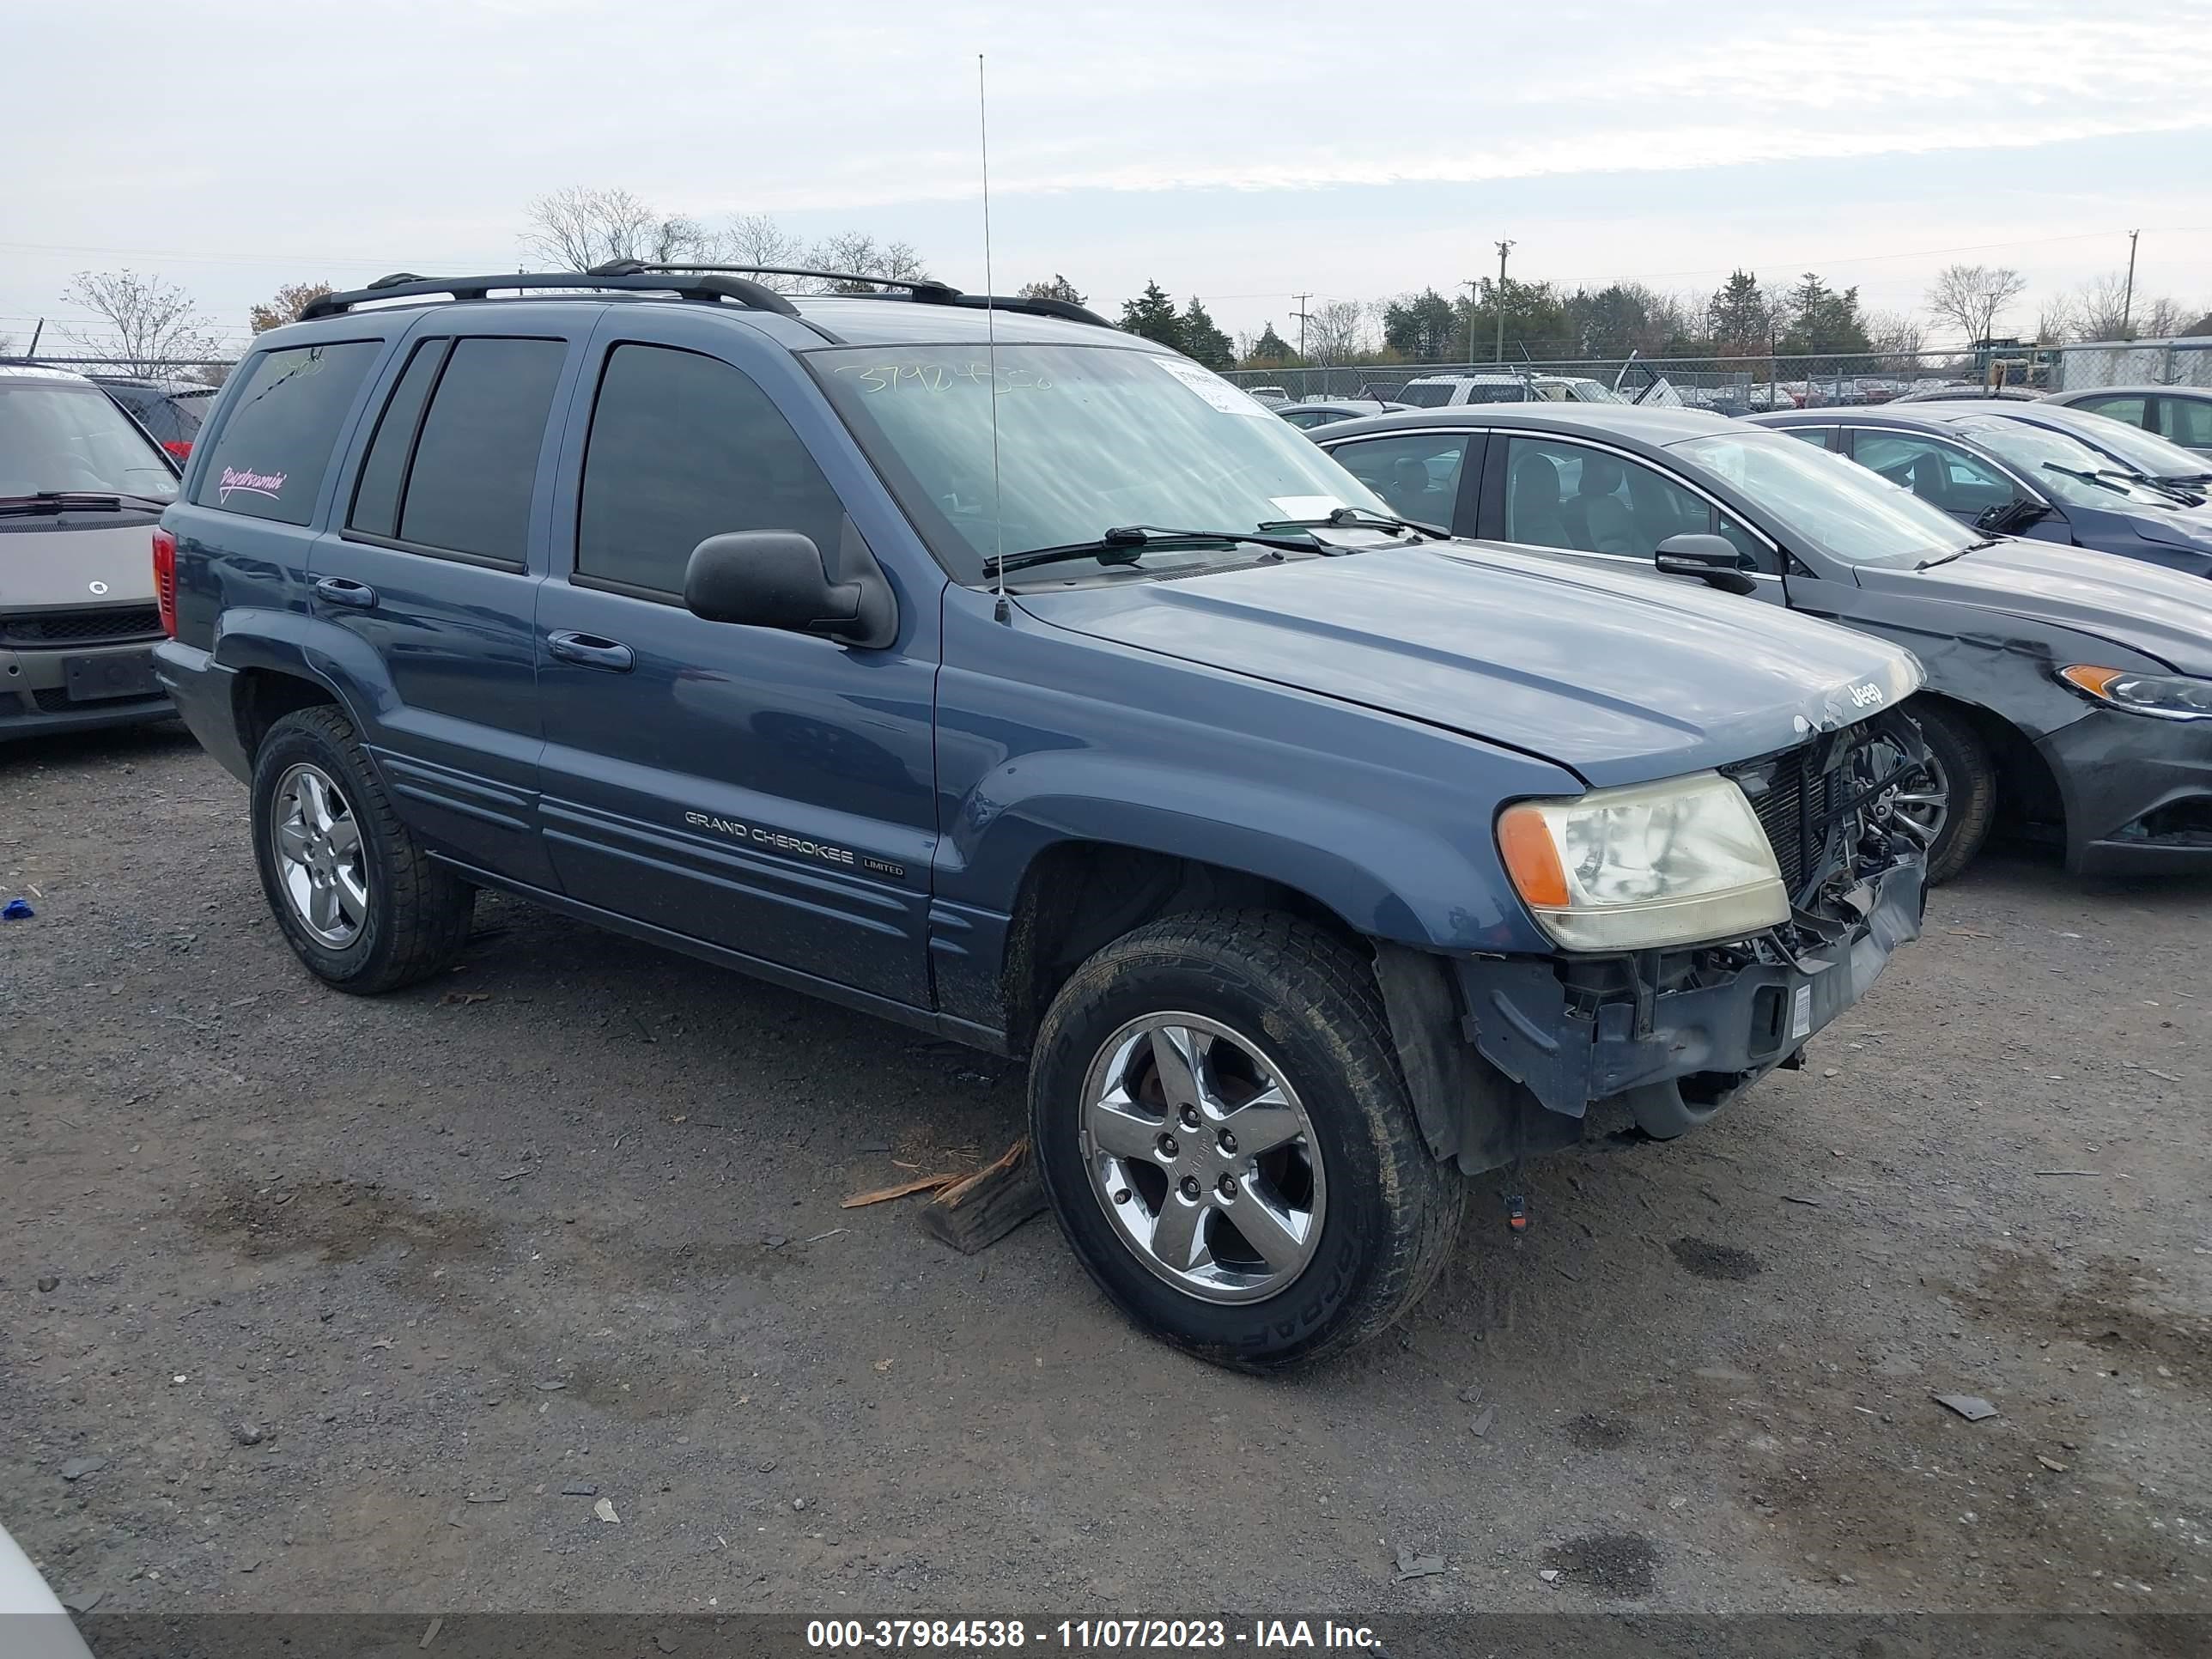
(309, 1303)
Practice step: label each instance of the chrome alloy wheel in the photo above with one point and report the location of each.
(1919, 805)
(1201, 1155)
(321, 862)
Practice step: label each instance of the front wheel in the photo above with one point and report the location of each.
(1949, 808)
(1225, 1137)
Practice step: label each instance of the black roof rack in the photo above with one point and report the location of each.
(921, 290)
(703, 285)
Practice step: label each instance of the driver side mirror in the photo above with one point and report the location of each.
(1712, 559)
(777, 578)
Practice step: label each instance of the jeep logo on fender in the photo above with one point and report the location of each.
(775, 839)
(1865, 696)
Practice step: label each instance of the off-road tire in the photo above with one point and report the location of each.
(419, 911)
(1393, 1211)
(1972, 779)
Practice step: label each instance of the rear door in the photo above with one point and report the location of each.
(769, 793)
(431, 571)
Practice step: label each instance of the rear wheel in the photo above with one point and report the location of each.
(1949, 807)
(359, 900)
(1224, 1135)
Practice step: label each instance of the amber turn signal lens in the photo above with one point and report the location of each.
(1532, 857)
(2092, 680)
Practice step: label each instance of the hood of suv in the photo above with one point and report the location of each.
(2163, 613)
(1622, 680)
(48, 562)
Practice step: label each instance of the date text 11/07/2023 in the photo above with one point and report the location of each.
(1085, 1636)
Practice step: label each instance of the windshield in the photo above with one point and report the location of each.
(1839, 507)
(56, 437)
(2055, 462)
(1090, 438)
(2143, 452)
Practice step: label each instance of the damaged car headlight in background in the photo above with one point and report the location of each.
(1655, 863)
(2162, 697)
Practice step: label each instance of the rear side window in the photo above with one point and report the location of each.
(683, 448)
(466, 487)
(276, 436)
(2186, 422)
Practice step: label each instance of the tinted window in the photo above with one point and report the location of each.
(476, 461)
(2186, 421)
(1415, 473)
(1431, 394)
(275, 443)
(376, 497)
(2129, 409)
(1817, 436)
(683, 448)
(1562, 494)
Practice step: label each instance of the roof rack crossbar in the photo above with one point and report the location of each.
(404, 285)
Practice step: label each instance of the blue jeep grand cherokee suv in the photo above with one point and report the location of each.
(1010, 677)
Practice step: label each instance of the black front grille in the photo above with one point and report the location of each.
(1793, 800)
(107, 625)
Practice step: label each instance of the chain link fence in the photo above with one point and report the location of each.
(2136, 363)
(180, 371)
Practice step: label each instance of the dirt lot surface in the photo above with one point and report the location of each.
(312, 1302)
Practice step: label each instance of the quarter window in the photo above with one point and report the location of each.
(684, 446)
(278, 430)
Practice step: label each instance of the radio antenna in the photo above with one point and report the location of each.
(1003, 611)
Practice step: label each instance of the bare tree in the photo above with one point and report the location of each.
(286, 304)
(1973, 297)
(1336, 332)
(578, 228)
(858, 253)
(145, 325)
(755, 238)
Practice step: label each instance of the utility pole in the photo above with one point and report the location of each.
(1474, 287)
(2128, 300)
(1300, 313)
(1502, 249)
(35, 333)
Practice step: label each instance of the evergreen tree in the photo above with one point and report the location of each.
(1058, 288)
(1423, 329)
(1740, 317)
(1822, 320)
(1152, 315)
(1203, 340)
(1270, 350)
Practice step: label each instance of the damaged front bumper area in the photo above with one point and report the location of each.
(1674, 1035)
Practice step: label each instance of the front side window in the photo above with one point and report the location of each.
(63, 436)
(1416, 473)
(1089, 439)
(683, 447)
(1817, 497)
(1942, 475)
(279, 427)
(1560, 494)
(2186, 422)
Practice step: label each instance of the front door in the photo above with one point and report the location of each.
(766, 791)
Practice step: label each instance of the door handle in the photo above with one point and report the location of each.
(590, 651)
(338, 591)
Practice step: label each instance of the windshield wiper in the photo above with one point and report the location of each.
(75, 500)
(2102, 480)
(1358, 518)
(1971, 547)
(1126, 544)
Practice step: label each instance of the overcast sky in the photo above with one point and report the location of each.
(1245, 153)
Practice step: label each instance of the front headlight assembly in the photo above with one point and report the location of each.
(1677, 862)
(2162, 697)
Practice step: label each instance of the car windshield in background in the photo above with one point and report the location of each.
(2145, 452)
(59, 438)
(1433, 395)
(2065, 468)
(1846, 511)
(1090, 438)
